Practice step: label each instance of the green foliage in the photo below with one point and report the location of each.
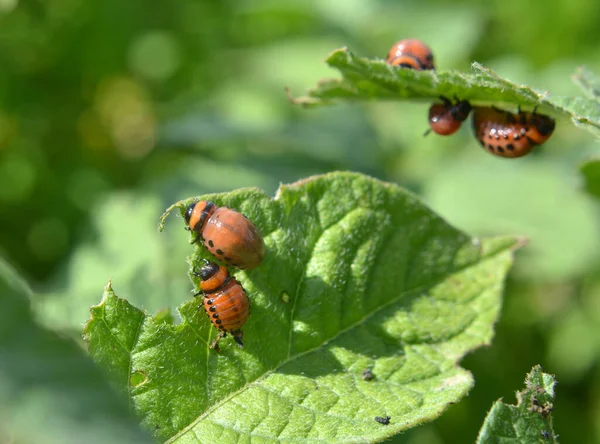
(98, 135)
(591, 173)
(368, 79)
(358, 274)
(530, 421)
(50, 392)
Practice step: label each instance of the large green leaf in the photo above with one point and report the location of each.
(50, 391)
(358, 274)
(530, 421)
(368, 79)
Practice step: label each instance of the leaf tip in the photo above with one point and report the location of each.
(520, 242)
(538, 395)
(163, 217)
(476, 66)
(304, 101)
(542, 383)
(97, 310)
(533, 408)
(288, 93)
(336, 53)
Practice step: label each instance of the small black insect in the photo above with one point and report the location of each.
(367, 374)
(385, 420)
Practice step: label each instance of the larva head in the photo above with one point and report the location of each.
(197, 214)
(461, 110)
(212, 277)
(543, 127)
(208, 270)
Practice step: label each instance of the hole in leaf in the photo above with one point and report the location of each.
(138, 378)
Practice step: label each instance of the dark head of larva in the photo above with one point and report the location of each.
(208, 270)
(198, 213)
(543, 124)
(189, 211)
(461, 110)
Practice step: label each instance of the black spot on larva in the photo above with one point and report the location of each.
(497, 136)
(218, 321)
(219, 252)
(490, 147)
(500, 149)
(516, 137)
(213, 308)
(524, 131)
(216, 316)
(227, 259)
(209, 302)
(505, 136)
(211, 244)
(510, 147)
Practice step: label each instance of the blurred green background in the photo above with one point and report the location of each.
(110, 111)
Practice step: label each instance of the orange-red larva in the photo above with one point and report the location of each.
(447, 117)
(224, 300)
(506, 134)
(227, 234)
(411, 53)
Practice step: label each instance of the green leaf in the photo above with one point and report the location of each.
(50, 391)
(358, 274)
(529, 421)
(368, 79)
(591, 174)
